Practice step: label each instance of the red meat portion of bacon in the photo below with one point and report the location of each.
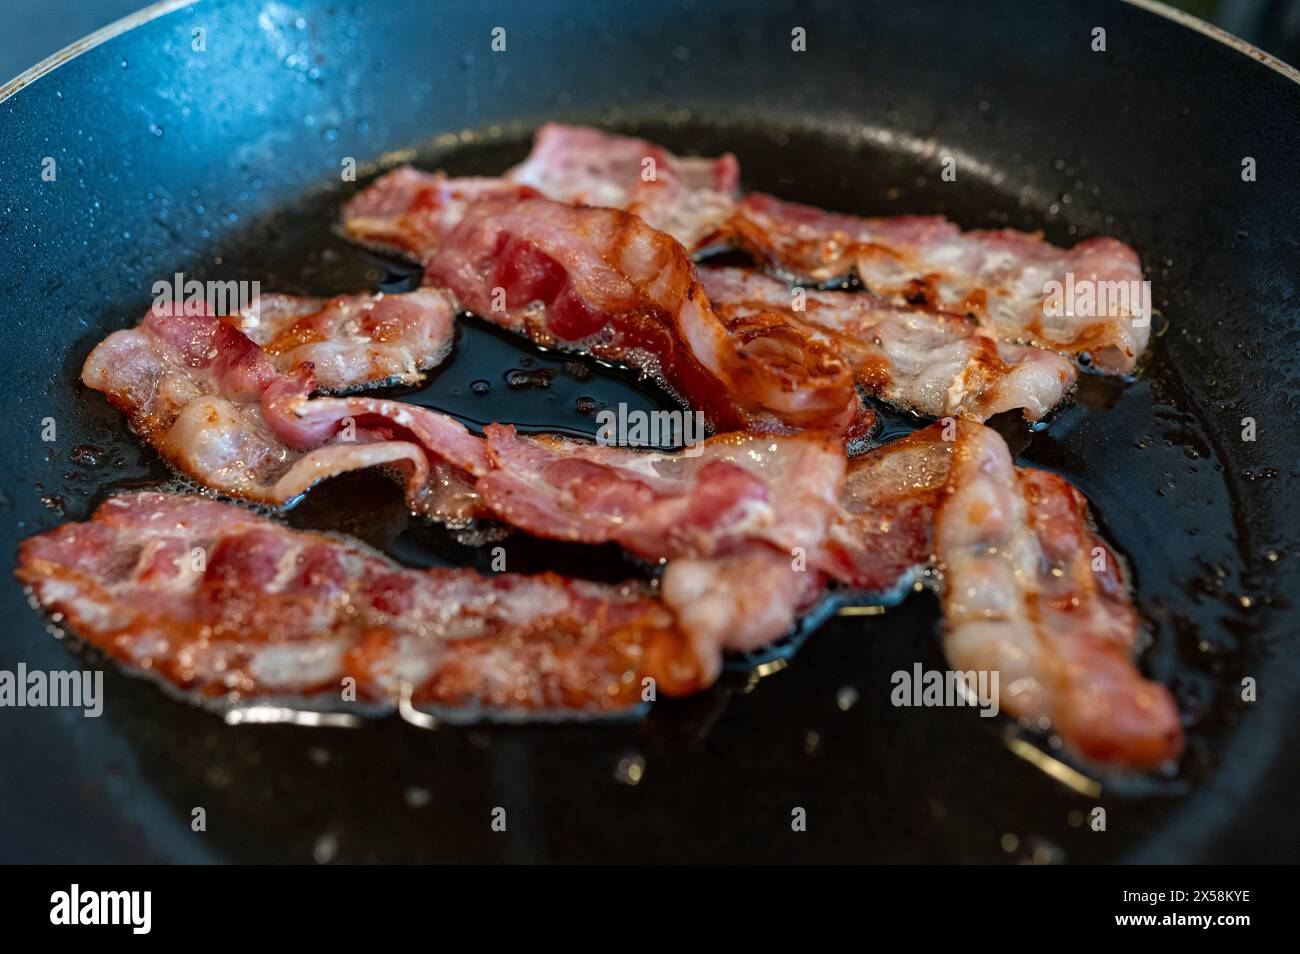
(602, 282)
(220, 602)
(689, 198)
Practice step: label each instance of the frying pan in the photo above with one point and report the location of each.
(225, 163)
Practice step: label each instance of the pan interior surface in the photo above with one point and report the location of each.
(1201, 517)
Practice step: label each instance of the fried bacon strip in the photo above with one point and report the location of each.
(602, 282)
(921, 359)
(354, 341)
(214, 405)
(689, 198)
(211, 402)
(1028, 587)
(735, 518)
(220, 602)
(1032, 592)
(1000, 277)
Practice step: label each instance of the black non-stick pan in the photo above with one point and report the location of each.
(210, 138)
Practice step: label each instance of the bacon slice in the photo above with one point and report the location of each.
(413, 211)
(213, 404)
(1029, 589)
(217, 409)
(732, 488)
(689, 198)
(735, 519)
(220, 602)
(1000, 277)
(354, 341)
(921, 359)
(1032, 592)
(602, 282)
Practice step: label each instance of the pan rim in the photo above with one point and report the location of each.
(164, 7)
(1207, 29)
(89, 42)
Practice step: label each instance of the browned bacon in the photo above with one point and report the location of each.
(1000, 277)
(603, 282)
(918, 358)
(1029, 589)
(354, 341)
(689, 198)
(222, 603)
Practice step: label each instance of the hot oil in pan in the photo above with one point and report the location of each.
(1160, 491)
